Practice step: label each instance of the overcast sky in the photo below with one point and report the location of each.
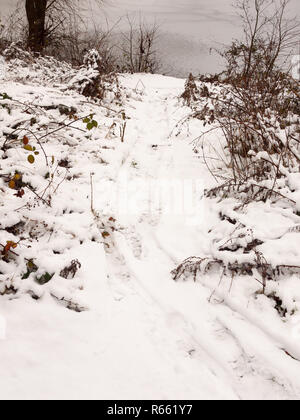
(190, 27)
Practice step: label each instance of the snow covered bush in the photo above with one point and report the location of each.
(16, 51)
(51, 136)
(30, 177)
(261, 131)
(25, 67)
(92, 60)
(91, 80)
(191, 91)
(250, 143)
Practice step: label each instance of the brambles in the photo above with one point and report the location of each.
(253, 108)
(260, 131)
(195, 267)
(260, 149)
(238, 254)
(43, 152)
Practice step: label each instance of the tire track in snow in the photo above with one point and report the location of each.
(125, 281)
(165, 158)
(268, 377)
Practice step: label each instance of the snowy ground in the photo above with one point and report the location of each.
(142, 335)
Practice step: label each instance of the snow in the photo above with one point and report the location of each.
(139, 334)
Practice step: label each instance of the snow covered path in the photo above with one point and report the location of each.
(152, 246)
(145, 336)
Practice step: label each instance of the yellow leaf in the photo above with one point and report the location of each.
(28, 147)
(12, 184)
(31, 159)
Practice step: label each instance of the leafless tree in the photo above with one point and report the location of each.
(68, 40)
(2, 37)
(269, 38)
(138, 46)
(36, 15)
(46, 17)
(71, 41)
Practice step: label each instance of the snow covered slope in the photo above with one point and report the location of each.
(138, 334)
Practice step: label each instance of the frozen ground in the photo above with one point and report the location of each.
(142, 335)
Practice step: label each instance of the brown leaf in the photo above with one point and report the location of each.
(25, 140)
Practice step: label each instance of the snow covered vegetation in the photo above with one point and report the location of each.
(149, 229)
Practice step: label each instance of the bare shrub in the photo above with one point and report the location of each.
(73, 42)
(261, 129)
(269, 39)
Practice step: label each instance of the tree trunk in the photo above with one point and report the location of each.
(36, 15)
